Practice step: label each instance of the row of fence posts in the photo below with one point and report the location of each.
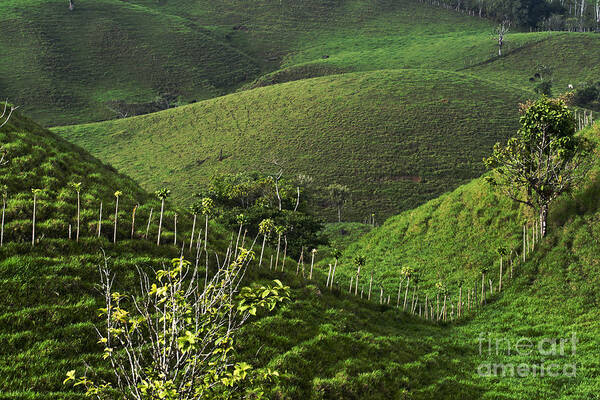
(443, 309)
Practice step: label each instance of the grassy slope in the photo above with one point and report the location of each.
(63, 66)
(132, 51)
(49, 303)
(571, 55)
(384, 134)
(552, 295)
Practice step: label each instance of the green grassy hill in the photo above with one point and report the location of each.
(74, 67)
(553, 294)
(49, 301)
(327, 345)
(66, 67)
(384, 134)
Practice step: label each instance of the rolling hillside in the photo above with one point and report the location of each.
(49, 301)
(384, 134)
(70, 67)
(553, 294)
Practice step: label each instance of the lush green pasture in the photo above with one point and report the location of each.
(63, 67)
(553, 294)
(49, 301)
(385, 134)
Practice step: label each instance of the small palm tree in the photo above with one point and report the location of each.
(4, 190)
(266, 227)
(118, 194)
(195, 209)
(35, 192)
(77, 187)
(162, 194)
(359, 262)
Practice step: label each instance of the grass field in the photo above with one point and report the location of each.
(326, 345)
(63, 67)
(49, 302)
(552, 295)
(384, 134)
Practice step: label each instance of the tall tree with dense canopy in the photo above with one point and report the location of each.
(543, 161)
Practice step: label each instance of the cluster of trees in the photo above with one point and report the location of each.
(588, 96)
(250, 198)
(572, 15)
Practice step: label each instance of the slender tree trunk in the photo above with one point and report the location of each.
(78, 209)
(524, 241)
(350, 289)
(483, 288)
(116, 218)
(500, 281)
(175, 231)
(162, 210)
(370, 285)
(100, 221)
(339, 213)
(312, 262)
(206, 234)
(71, 5)
(333, 274)
(328, 276)
(459, 306)
(133, 221)
(285, 244)
(299, 260)
(543, 220)
(237, 242)
(444, 308)
(406, 294)
(149, 221)
(33, 226)
(193, 229)
(278, 248)
(262, 250)
(2, 229)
